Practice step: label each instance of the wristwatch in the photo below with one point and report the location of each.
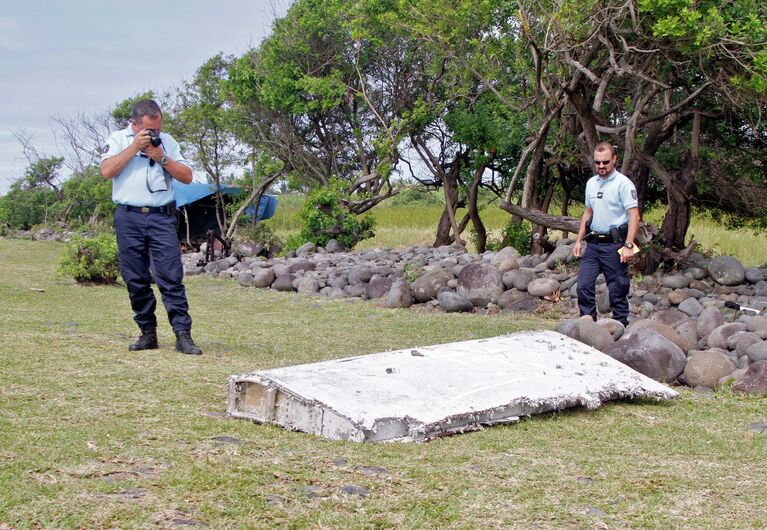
(627, 245)
(164, 160)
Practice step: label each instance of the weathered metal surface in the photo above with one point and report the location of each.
(418, 394)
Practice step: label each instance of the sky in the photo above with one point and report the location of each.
(64, 58)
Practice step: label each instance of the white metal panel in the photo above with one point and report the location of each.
(420, 393)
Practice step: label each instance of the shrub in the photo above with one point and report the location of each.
(324, 218)
(517, 235)
(91, 260)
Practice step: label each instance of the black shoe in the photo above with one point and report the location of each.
(185, 344)
(147, 341)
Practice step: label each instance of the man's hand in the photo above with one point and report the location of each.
(155, 153)
(141, 140)
(577, 249)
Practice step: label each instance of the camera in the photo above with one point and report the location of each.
(154, 137)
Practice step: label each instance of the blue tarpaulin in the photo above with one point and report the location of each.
(189, 193)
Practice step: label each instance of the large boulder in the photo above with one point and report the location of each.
(710, 319)
(480, 283)
(707, 368)
(504, 254)
(670, 317)
(719, 335)
(359, 274)
(587, 331)
(757, 352)
(452, 302)
(262, 277)
(754, 381)
(651, 354)
(283, 282)
(639, 326)
(378, 286)
(561, 254)
(426, 286)
(399, 295)
(726, 270)
(542, 287)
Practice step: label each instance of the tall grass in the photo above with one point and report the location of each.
(415, 223)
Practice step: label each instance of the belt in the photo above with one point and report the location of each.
(167, 209)
(603, 238)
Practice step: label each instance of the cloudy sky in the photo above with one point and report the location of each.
(65, 58)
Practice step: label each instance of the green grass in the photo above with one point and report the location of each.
(92, 436)
(415, 224)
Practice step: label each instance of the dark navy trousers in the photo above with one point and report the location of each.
(151, 238)
(603, 258)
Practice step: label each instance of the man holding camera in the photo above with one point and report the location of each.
(609, 224)
(142, 163)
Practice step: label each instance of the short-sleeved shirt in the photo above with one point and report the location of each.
(610, 198)
(141, 182)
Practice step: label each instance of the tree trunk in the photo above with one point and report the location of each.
(676, 220)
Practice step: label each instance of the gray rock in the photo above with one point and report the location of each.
(480, 283)
(696, 273)
(509, 264)
(245, 279)
(338, 281)
(378, 286)
(333, 246)
(614, 327)
(262, 277)
(677, 296)
(651, 354)
(302, 265)
(675, 281)
(283, 282)
(525, 304)
(641, 326)
(726, 270)
(356, 291)
(745, 341)
(504, 254)
(308, 285)
(307, 249)
(518, 279)
(541, 287)
(332, 293)
(359, 274)
(688, 333)
(757, 352)
(589, 332)
(754, 274)
(603, 301)
(561, 254)
(427, 286)
(670, 317)
(754, 381)
(399, 295)
(452, 302)
(691, 307)
(710, 319)
(707, 368)
(757, 323)
(719, 335)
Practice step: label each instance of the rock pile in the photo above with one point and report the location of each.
(680, 328)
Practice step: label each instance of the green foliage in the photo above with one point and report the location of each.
(325, 217)
(88, 195)
(123, 111)
(91, 260)
(517, 235)
(413, 196)
(260, 233)
(412, 271)
(23, 207)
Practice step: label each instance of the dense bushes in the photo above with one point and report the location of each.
(324, 217)
(91, 260)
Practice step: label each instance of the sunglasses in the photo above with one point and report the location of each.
(601, 162)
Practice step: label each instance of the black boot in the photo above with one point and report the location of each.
(185, 344)
(147, 341)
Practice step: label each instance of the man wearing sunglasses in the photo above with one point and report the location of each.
(142, 163)
(609, 225)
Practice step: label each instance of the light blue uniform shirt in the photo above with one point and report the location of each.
(609, 198)
(141, 183)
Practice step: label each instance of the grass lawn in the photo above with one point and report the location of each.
(92, 436)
